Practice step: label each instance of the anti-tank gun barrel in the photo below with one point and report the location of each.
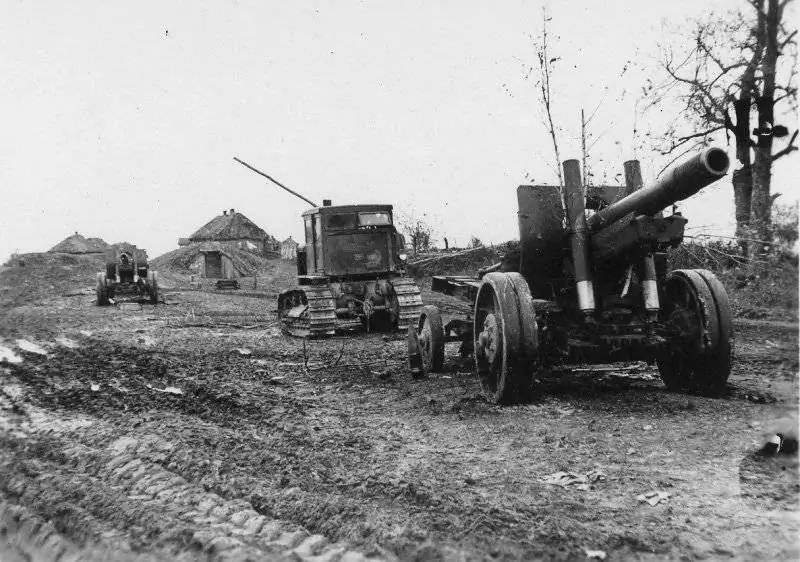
(678, 183)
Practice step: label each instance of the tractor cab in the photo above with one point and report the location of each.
(354, 241)
(351, 272)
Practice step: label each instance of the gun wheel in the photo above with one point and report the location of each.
(696, 314)
(505, 338)
(102, 289)
(152, 284)
(426, 343)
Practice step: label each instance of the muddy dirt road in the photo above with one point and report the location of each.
(195, 430)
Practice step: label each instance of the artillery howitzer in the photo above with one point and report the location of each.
(127, 274)
(350, 273)
(591, 290)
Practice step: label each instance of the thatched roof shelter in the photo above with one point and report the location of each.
(79, 244)
(230, 226)
(245, 263)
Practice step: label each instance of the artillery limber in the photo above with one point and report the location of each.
(591, 290)
(127, 275)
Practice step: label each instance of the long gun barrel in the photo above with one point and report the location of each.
(276, 182)
(678, 183)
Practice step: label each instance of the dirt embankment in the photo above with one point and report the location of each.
(256, 274)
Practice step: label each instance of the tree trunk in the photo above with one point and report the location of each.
(743, 177)
(742, 129)
(742, 196)
(761, 202)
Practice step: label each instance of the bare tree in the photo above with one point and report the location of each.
(546, 65)
(588, 140)
(419, 232)
(584, 155)
(738, 63)
(544, 72)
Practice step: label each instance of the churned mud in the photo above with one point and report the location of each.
(196, 430)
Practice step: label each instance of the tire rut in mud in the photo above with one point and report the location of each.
(93, 494)
(64, 496)
(25, 536)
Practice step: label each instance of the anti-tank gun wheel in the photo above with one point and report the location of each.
(426, 343)
(152, 285)
(505, 337)
(102, 289)
(696, 315)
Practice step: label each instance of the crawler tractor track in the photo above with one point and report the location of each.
(308, 312)
(409, 301)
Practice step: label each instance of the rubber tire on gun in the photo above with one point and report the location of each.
(102, 289)
(430, 335)
(152, 284)
(699, 354)
(505, 337)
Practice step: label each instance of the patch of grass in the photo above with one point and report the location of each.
(767, 290)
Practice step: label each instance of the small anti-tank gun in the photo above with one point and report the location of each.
(127, 273)
(591, 290)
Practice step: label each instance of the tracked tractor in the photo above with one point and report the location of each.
(350, 274)
(127, 275)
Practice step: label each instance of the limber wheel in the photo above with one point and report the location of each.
(696, 314)
(430, 335)
(415, 366)
(152, 284)
(102, 289)
(505, 337)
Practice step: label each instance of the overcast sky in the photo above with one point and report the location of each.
(121, 120)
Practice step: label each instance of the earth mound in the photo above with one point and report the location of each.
(37, 277)
(273, 274)
(461, 262)
(183, 260)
